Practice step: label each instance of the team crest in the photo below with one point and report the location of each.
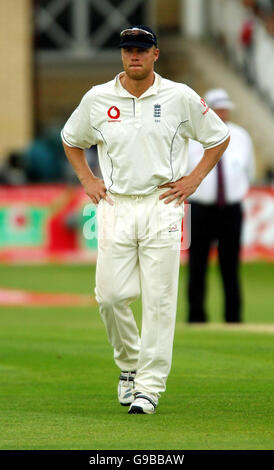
(157, 112)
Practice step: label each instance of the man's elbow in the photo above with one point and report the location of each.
(225, 144)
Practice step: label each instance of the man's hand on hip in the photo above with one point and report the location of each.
(187, 185)
(93, 186)
(96, 190)
(180, 190)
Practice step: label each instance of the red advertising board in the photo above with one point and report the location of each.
(43, 223)
(258, 229)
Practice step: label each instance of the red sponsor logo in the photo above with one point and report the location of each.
(205, 106)
(114, 112)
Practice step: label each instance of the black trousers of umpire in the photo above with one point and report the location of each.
(211, 223)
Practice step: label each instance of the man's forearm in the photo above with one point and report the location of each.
(187, 185)
(208, 161)
(79, 163)
(94, 187)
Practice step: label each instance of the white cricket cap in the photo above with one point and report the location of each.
(218, 98)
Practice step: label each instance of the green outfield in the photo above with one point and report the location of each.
(58, 379)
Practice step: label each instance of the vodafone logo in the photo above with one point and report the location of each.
(114, 112)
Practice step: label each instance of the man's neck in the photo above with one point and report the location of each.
(136, 87)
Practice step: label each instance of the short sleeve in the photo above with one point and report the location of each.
(78, 131)
(203, 123)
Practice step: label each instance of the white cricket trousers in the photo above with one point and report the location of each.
(139, 253)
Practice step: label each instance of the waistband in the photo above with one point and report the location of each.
(157, 192)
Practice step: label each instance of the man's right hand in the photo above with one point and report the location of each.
(93, 186)
(96, 190)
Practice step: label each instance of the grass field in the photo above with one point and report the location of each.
(58, 380)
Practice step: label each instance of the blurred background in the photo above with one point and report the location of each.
(53, 51)
(56, 365)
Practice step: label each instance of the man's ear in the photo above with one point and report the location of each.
(157, 53)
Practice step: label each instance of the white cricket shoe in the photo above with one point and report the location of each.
(126, 388)
(142, 405)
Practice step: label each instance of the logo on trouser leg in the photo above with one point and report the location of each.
(173, 228)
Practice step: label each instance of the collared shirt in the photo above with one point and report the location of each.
(142, 142)
(238, 168)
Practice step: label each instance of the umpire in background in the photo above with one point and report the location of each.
(216, 214)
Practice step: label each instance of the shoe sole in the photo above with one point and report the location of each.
(138, 410)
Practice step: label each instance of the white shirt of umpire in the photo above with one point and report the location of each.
(238, 168)
(142, 143)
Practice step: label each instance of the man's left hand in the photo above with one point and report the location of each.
(180, 190)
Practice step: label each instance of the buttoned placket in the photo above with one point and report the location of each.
(137, 102)
(138, 113)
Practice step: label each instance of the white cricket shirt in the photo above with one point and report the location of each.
(142, 142)
(238, 168)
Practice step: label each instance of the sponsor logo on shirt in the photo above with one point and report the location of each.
(157, 112)
(114, 114)
(205, 106)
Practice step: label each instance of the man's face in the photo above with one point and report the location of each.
(138, 62)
